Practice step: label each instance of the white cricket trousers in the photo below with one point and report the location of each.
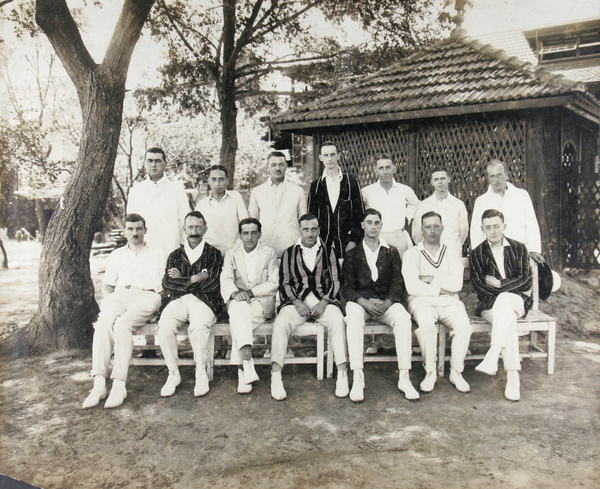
(396, 317)
(244, 318)
(187, 308)
(427, 311)
(288, 320)
(503, 315)
(120, 313)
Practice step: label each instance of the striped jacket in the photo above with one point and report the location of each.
(518, 274)
(342, 224)
(296, 281)
(208, 290)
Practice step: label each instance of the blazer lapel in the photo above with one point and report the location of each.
(241, 265)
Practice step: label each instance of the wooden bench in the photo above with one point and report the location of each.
(220, 330)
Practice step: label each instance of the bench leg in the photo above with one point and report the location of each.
(320, 351)
(441, 349)
(329, 358)
(211, 356)
(551, 343)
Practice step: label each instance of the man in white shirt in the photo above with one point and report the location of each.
(373, 288)
(433, 275)
(223, 210)
(451, 209)
(516, 206)
(162, 202)
(278, 205)
(131, 287)
(394, 200)
(249, 281)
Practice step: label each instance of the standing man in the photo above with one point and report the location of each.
(501, 276)
(433, 275)
(163, 202)
(336, 201)
(249, 281)
(452, 211)
(131, 288)
(395, 201)
(516, 206)
(192, 284)
(278, 205)
(223, 210)
(373, 288)
(309, 288)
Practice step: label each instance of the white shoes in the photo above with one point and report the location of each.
(459, 382)
(277, 390)
(428, 382)
(404, 385)
(357, 393)
(489, 365)
(243, 388)
(97, 393)
(118, 393)
(341, 384)
(173, 380)
(250, 374)
(201, 388)
(513, 386)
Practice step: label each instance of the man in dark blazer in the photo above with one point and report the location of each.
(336, 200)
(501, 275)
(373, 288)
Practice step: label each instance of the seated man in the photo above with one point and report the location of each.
(433, 275)
(308, 286)
(501, 275)
(249, 281)
(192, 282)
(131, 288)
(373, 288)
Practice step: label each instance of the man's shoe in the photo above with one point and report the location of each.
(201, 388)
(459, 382)
(513, 386)
(243, 388)
(250, 374)
(357, 393)
(341, 384)
(173, 380)
(277, 390)
(489, 365)
(405, 385)
(118, 393)
(428, 382)
(97, 393)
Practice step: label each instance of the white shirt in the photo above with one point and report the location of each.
(193, 254)
(164, 205)
(372, 256)
(143, 270)
(396, 206)
(454, 220)
(250, 260)
(498, 253)
(519, 217)
(278, 208)
(222, 219)
(309, 255)
(333, 186)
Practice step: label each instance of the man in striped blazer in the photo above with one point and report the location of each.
(501, 275)
(336, 201)
(191, 281)
(309, 286)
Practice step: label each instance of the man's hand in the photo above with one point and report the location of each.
(493, 281)
(537, 257)
(319, 309)
(174, 273)
(426, 278)
(199, 277)
(369, 306)
(242, 295)
(301, 307)
(350, 245)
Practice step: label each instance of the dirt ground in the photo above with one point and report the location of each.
(550, 439)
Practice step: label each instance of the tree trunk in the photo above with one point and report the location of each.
(4, 255)
(229, 141)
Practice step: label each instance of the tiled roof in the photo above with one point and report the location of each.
(585, 70)
(456, 72)
(514, 43)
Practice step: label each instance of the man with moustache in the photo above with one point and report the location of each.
(278, 204)
(192, 284)
(249, 281)
(131, 287)
(163, 202)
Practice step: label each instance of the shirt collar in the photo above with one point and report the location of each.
(421, 247)
(326, 175)
(224, 197)
(193, 252)
(394, 184)
(314, 249)
(272, 184)
(505, 243)
(162, 179)
(252, 253)
(382, 243)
